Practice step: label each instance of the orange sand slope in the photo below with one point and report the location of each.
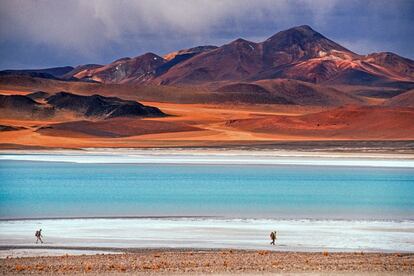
(344, 123)
(208, 123)
(203, 125)
(119, 127)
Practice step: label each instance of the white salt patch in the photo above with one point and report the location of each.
(217, 158)
(293, 235)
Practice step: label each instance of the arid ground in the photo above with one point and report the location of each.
(200, 124)
(167, 262)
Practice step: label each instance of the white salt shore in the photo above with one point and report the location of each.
(212, 157)
(209, 233)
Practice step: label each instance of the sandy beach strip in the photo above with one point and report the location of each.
(170, 261)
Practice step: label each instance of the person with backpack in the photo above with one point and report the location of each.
(273, 237)
(39, 236)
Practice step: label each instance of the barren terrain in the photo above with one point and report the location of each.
(166, 262)
(197, 124)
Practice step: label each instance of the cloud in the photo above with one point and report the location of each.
(100, 30)
(77, 23)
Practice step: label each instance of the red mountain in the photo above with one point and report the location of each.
(190, 51)
(298, 53)
(136, 70)
(234, 61)
(396, 64)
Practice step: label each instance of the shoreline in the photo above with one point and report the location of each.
(212, 157)
(49, 250)
(225, 261)
(238, 234)
(288, 151)
(352, 146)
(206, 217)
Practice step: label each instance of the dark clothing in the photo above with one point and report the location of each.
(273, 238)
(38, 236)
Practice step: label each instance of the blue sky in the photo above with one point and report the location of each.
(46, 33)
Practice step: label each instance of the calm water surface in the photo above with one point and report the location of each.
(53, 189)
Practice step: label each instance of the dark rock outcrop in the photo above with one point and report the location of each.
(38, 95)
(102, 107)
(10, 128)
(51, 73)
(19, 106)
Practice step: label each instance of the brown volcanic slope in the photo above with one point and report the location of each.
(140, 69)
(96, 106)
(113, 128)
(403, 100)
(55, 72)
(191, 51)
(22, 107)
(304, 93)
(135, 70)
(341, 123)
(280, 91)
(80, 68)
(297, 53)
(234, 61)
(101, 107)
(38, 95)
(393, 62)
(294, 92)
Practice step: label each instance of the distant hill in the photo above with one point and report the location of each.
(112, 128)
(95, 106)
(55, 72)
(38, 95)
(139, 69)
(349, 122)
(102, 107)
(402, 100)
(20, 107)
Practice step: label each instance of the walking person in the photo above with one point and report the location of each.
(273, 237)
(39, 236)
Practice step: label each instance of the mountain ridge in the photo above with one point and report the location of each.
(299, 53)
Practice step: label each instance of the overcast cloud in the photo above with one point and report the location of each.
(45, 33)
